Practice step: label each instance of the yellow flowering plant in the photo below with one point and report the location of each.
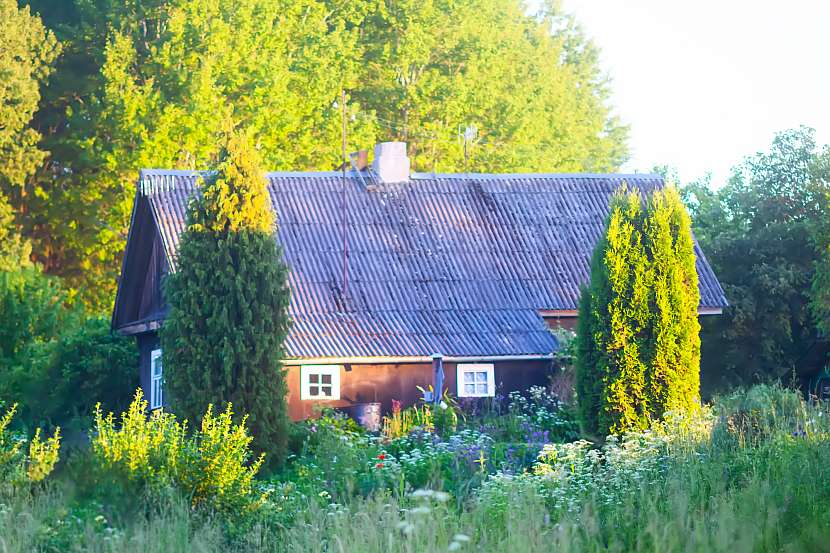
(18, 467)
(211, 465)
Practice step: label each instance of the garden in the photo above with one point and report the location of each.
(746, 473)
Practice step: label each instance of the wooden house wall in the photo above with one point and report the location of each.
(377, 383)
(566, 323)
(147, 342)
(383, 383)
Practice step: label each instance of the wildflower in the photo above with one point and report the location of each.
(441, 497)
(324, 494)
(379, 465)
(382, 456)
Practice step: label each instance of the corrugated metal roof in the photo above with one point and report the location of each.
(456, 264)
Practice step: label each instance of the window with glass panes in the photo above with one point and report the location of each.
(320, 382)
(476, 380)
(156, 380)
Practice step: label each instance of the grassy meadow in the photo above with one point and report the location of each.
(749, 473)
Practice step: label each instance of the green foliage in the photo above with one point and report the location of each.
(403, 421)
(54, 360)
(43, 456)
(763, 234)
(445, 415)
(530, 83)
(236, 198)
(211, 465)
(748, 417)
(638, 345)
(14, 249)
(31, 312)
(27, 50)
(150, 84)
(613, 320)
(223, 339)
(85, 364)
(691, 483)
(16, 465)
(673, 378)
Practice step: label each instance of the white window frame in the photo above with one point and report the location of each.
(306, 373)
(156, 380)
(463, 369)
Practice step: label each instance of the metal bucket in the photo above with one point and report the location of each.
(367, 415)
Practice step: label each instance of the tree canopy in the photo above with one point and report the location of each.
(26, 51)
(763, 232)
(149, 83)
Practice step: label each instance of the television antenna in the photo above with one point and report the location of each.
(467, 138)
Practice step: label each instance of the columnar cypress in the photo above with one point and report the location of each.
(223, 339)
(638, 349)
(674, 375)
(611, 374)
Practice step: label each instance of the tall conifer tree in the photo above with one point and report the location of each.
(674, 329)
(638, 349)
(611, 374)
(223, 340)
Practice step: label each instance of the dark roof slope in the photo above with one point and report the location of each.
(456, 264)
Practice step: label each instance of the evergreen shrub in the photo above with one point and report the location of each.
(223, 339)
(638, 345)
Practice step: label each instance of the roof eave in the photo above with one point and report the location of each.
(397, 360)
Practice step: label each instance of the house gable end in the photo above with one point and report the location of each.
(139, 304)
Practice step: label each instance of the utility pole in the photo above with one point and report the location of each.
(344, 161)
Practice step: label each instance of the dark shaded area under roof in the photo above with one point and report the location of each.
(456, 264)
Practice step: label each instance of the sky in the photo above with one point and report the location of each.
(703, 84)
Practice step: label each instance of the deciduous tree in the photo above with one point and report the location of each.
(147, 84)
(27, 50)
(763, 234)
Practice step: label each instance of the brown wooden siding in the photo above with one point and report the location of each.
(383, 383)
(146, 344)
(568, 323)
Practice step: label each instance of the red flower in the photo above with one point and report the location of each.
(382, 456)
(379, 466)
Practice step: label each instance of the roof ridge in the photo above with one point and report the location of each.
(151, 181)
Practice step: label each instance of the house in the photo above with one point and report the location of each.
(396, 276)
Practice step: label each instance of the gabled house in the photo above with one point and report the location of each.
(396, 276)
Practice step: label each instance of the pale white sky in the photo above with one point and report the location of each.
(704, 83)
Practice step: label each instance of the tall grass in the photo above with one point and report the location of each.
(756, 479)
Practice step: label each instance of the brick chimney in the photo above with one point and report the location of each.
(391, 164)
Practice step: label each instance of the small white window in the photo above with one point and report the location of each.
(321, 382)
(156, 380)
(476, 380)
